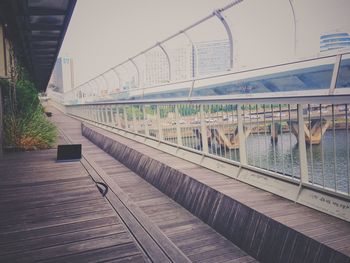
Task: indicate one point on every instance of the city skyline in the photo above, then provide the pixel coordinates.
(156, 20)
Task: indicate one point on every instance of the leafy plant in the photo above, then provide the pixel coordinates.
(25, 125)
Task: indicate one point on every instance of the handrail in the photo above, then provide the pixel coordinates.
(245, 99)
(196, 79)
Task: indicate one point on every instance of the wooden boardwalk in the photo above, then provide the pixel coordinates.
(53, 212)
(293, 229)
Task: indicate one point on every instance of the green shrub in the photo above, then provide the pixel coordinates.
(25, 125)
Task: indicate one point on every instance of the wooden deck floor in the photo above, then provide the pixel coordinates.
(53, 212)
(328, 230)
(195, 239)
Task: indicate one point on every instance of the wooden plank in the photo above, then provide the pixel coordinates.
(39, 243)
(120, 202)
(120, 253)
(66, 227)
(19, 226)
(68, 248)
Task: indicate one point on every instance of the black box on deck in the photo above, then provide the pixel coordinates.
(69, 152)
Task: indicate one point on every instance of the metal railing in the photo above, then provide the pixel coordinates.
(324, 75)
(303, 139)
(292, 126)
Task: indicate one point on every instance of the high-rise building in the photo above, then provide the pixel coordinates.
(334, 41)
(62, 78)
(212, 57)
(203, 58)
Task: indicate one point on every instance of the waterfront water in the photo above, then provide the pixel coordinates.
(327, 162)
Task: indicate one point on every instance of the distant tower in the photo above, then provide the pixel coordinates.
(334, 41)
(62, 78)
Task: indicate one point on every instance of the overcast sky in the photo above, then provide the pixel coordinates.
(104, 33)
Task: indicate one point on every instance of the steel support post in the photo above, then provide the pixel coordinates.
(241, 136)
(204, 132)
(304, 176)
(95, 109)
(118, 118)
(160, 128)
(218, 14)
(295, 26)
(113, 121)
(178, 128)
(133, 118)
(191, 90)
(89, 112)
(167, 57)
(335, 75)
(125, 118)
(145, 120)
(193, 73)
(110, 115)
(99, 114)
(102, 114)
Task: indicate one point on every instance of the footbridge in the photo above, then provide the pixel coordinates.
(268, 171)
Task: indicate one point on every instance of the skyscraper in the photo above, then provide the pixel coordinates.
(62, 78)
(334, 41)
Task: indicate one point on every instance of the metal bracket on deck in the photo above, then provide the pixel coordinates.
(102, 187)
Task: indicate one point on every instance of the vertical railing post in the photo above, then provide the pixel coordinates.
(133, 114)
(98, 117)
(114, 121)
(204, 137)
(100, 114)
(110, 119)
(96, 113)
(178, 128)
(118, 124)
(241, 136)
(145, 120)
(160, 128)
(83, 111)
(91, 112)
(104, 115)
(125, 118)
(304, 177)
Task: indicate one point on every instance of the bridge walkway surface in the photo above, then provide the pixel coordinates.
(53, 212)
(266, 226)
